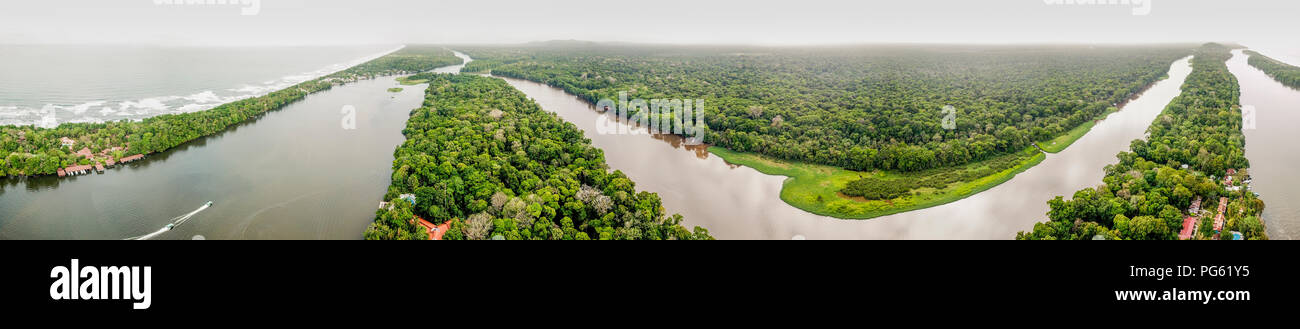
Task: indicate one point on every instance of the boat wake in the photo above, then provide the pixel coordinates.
(173, 223)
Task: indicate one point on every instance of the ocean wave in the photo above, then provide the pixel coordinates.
(152, 106)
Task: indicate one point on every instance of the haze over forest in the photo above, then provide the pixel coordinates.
(332, 22)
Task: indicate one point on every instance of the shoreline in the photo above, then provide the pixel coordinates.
(269, 102)
(1073, 135)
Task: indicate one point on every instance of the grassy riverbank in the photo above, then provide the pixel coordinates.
(815, 188)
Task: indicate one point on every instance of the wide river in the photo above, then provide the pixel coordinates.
(297, 173)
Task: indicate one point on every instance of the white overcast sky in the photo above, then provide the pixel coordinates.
(331, 22)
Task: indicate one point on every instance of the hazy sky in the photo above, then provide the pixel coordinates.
(315, 22)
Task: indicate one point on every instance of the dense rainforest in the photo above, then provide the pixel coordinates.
(489, 163)
(1184, 175)
(28, 150)
(857, 107)
(1282, 72)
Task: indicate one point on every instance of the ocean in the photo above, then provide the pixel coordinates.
(45, 85)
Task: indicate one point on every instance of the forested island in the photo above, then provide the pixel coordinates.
(30, 151)
(1186, 180)
(483, 161)
(861, 128)
(1282, 72)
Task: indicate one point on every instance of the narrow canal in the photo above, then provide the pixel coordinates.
(296, 173)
